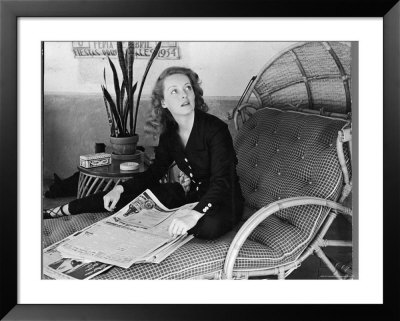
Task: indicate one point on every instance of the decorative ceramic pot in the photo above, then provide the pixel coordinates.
(124, 145)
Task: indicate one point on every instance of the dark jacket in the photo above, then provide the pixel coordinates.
(209, 159)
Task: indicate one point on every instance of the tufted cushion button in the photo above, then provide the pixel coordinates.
(298, 137)
(279, 173)
(275, 131)
(310, 182)
(279, 197)
(277, 150)
(330, 145)
(255, 165)
(255, 189)
(302, 157)
(256, 144)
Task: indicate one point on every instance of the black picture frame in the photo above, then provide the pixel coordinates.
(9, 13)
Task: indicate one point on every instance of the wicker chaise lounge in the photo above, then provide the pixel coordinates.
(294, 152)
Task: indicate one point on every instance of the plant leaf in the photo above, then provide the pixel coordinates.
(104, 76)
(116, 85)
(124, 118)
(129, 109)
(121, 103)
(126, 60)
(113, 109)
(121, 60)
(153, 56)
(131, 58)
(110, 119)
(123, 89)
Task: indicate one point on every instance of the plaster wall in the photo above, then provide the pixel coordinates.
(224, 67)
(74, 116)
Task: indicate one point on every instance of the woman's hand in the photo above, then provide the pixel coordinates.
(184, 180)
(112, 197)
(185, 221)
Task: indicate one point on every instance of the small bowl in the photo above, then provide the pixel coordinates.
(128, 166)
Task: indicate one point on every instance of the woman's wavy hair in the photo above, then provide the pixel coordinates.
(161, 119)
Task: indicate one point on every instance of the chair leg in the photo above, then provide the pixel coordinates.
(281, 274)
(328, 263)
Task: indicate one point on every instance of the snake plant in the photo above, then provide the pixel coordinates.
(123, 107)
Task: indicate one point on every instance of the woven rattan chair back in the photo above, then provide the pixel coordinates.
(312, 77)
(307, 78)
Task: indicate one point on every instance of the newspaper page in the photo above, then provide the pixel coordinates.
(136, 233)
(57, 267)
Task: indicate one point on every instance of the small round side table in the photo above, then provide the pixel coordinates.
(103, 178)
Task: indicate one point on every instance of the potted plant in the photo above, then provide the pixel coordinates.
(124, 138)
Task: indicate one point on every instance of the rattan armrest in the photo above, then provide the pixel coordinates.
(262, 214)
(238, 110)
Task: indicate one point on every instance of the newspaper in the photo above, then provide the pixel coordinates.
(135, 234)
(57, 267)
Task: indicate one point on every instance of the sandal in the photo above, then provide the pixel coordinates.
(54, 212)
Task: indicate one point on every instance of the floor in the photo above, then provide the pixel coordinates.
(312, 268)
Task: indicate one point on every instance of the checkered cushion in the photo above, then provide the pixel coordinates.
(194, 259)
(281, 154)
(287, 154)
(56, 229)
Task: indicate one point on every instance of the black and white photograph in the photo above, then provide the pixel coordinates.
(247, 166)
(211, 160)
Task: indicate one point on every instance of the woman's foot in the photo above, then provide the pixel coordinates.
(56, 212)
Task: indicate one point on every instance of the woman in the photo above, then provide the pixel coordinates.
(202, 148)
